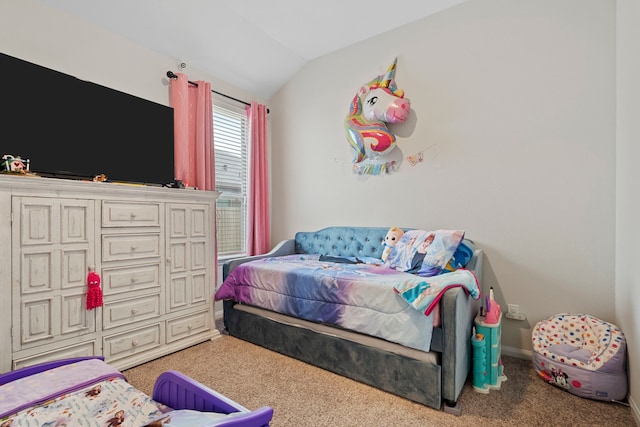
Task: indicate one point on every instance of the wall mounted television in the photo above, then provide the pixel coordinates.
(70, 128)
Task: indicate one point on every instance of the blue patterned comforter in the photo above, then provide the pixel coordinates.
(366, 298)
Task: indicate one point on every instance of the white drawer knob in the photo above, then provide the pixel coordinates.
(134, 343)
(134, 310)
(189, 326)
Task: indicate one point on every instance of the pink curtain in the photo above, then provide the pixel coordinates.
(258, 222)
(193, 138)
(193, 133)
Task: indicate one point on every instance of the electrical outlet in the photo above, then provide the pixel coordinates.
(514, 312)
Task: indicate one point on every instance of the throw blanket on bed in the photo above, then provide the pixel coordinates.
(86, 393)
(424, 296)
(360, 297)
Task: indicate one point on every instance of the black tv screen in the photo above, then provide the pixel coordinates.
(67, 127)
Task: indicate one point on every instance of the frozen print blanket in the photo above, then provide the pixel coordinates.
(86, 393)
(424, 296)
(361, 297)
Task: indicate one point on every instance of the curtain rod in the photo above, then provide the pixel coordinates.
(171, 75)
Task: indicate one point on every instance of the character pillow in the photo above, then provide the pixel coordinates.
(425, 253)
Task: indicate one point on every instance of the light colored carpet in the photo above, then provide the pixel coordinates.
(303, 395)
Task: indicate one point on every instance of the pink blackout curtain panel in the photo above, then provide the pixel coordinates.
(193, 133)
(258, 223)
(194, 163)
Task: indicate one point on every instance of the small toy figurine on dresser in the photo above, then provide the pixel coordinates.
(393, 235)
(14, 164)
(488, 371)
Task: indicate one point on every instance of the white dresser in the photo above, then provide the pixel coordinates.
(154, 249)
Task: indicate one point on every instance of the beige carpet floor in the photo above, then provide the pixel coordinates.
(303, 395)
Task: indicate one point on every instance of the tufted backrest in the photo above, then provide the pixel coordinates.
(342, 241)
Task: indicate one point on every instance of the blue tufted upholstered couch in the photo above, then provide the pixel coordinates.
(427, 382)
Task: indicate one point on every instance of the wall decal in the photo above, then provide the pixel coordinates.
(416, 158)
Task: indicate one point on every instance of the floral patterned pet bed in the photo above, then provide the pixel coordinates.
(581, 354)
(88, 392)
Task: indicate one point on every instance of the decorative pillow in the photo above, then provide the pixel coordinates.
(189, 418)
(439, 252)
(424, 252)
(402, 253)
(461, 256)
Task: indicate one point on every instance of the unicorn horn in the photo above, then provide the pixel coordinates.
(391, 73)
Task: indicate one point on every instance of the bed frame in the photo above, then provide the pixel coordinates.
(175, 390)
(421, 381)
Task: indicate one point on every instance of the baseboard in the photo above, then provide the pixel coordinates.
(635, 411)
(517, 352)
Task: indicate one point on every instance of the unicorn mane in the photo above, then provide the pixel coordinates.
(358, 127)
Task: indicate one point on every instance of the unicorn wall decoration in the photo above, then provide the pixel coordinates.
(375, 104)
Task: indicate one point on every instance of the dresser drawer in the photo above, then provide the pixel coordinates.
(122, 312)
(133, 278)
(183, 327)
(128, 214)
(126, 344)
(120, 247)
(77, 350)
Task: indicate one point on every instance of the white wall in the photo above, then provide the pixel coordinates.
(518, 98)
(627, 177)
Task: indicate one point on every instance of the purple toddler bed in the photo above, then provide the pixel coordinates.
(87, 391)
(582, 354)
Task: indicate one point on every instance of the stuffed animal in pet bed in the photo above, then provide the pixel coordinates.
(393, 235)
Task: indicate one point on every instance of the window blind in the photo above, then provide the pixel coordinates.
(230, 140)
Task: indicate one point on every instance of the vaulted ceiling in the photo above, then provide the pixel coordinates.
(256, 45)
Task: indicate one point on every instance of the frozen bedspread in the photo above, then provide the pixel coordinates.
(366, 298)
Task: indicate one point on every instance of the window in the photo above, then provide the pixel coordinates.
(230, 139)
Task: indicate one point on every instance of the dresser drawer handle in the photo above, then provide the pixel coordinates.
(189, 326)
(133, 280)
(133, 248)
(134, 343)
(134, 311)
(133, 215)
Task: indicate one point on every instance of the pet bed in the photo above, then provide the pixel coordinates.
(581, 354)
(87, 391)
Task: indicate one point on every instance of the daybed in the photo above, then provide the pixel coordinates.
(428, 368)
(87, 391)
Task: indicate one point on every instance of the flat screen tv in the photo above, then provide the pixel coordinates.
(70, 128)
